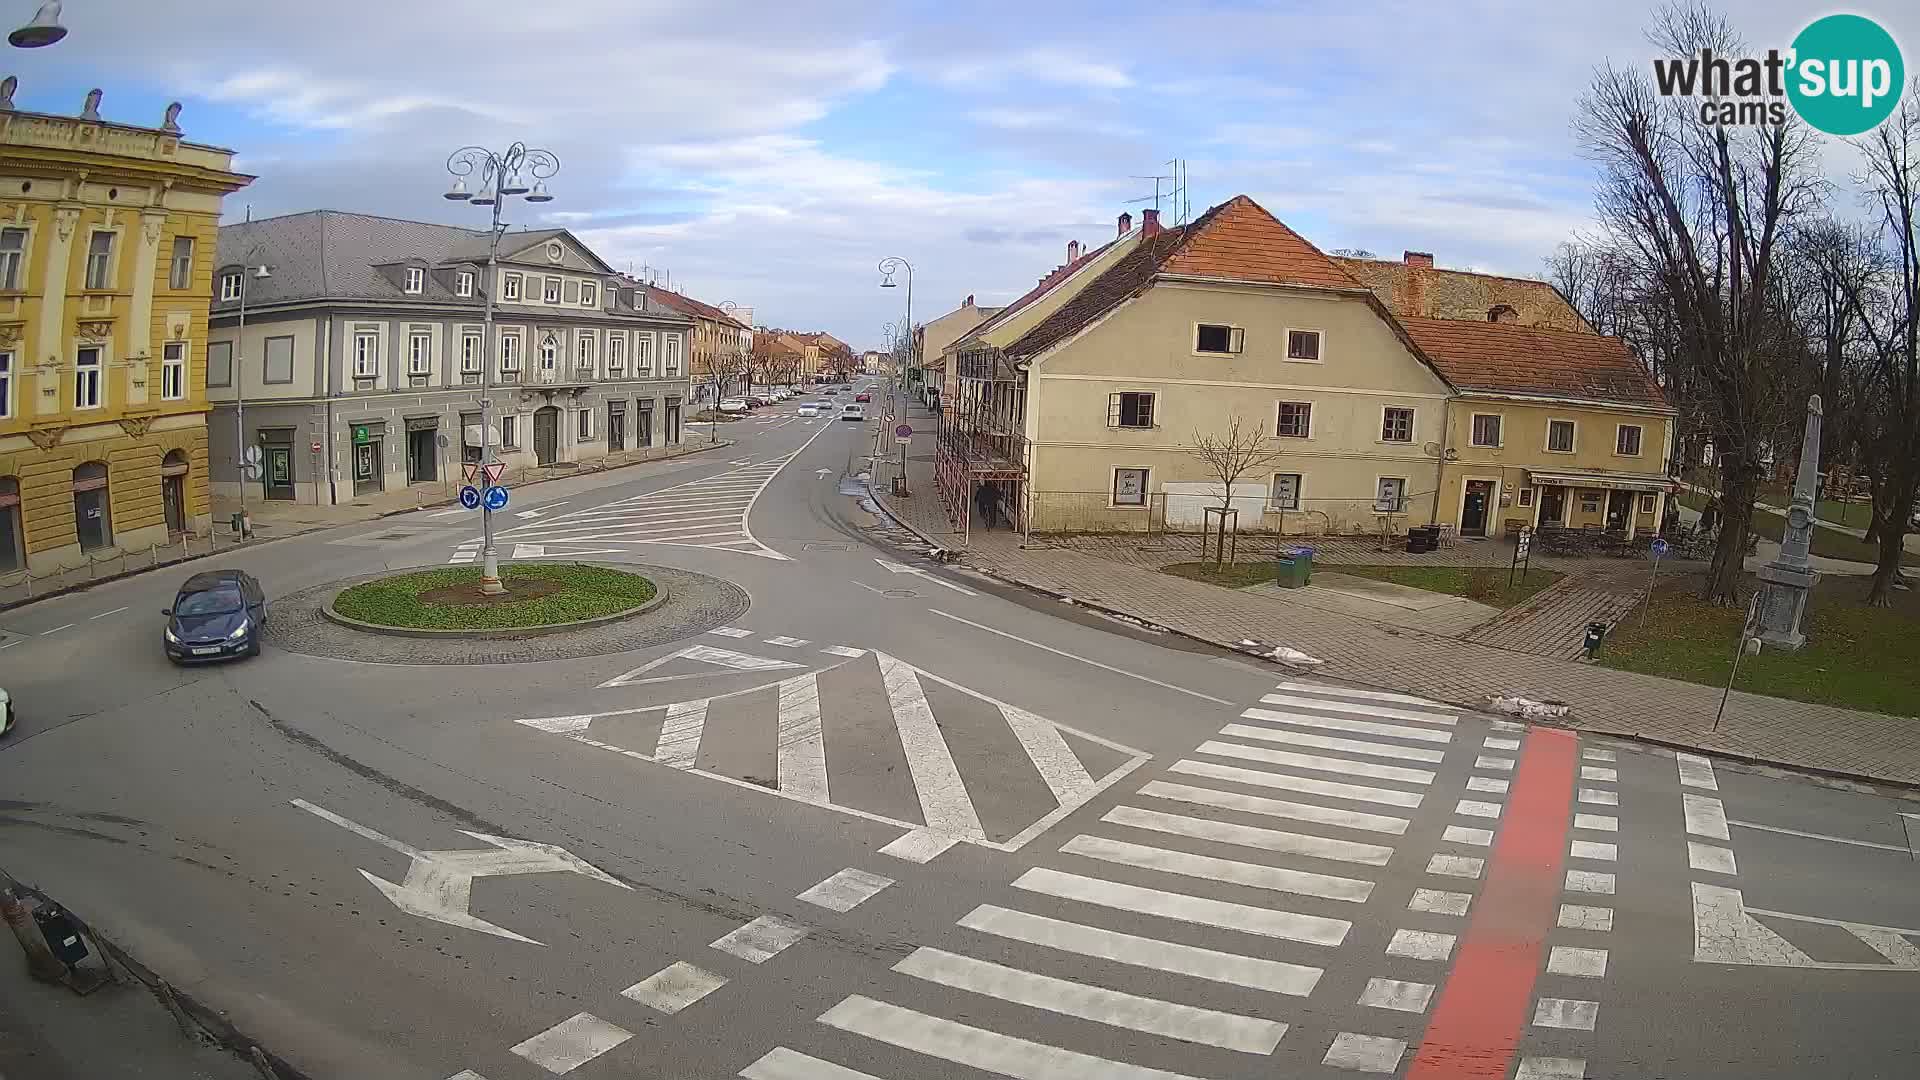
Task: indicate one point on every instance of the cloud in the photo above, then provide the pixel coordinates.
(1058, 66)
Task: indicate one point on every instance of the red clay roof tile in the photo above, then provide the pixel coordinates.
(1508, 359)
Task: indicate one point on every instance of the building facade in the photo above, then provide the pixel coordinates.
(107, 236)
(362, 362)
(721, 343)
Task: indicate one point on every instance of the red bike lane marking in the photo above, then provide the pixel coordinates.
(1482, 1010)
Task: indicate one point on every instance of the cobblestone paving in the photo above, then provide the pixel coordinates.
(1553, 622)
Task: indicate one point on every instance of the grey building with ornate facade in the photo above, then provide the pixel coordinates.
(362, 365)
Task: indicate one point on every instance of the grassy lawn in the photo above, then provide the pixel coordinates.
(1856, 657)
(1828, 543)
(571, 593)
(1486, 584)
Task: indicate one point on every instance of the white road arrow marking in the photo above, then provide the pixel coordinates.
(439, 884)
(822, 472)
(899, 568)
(529, 514)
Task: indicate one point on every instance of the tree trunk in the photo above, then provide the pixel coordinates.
(1892, 548)
(1737, 488)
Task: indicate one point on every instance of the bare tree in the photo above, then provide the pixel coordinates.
(1230, 455)
(1702, 210)
(1838, 272)
(729, 365)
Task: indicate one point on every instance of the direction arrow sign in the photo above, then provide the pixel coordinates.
(439, 884)
(822, 472)
(496, 498)
(495, 470)
(470, 497)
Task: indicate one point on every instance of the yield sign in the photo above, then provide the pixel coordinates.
(495, 470)
(439, 884)
(469, 470)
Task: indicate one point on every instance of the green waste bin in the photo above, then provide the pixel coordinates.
(1295, 568)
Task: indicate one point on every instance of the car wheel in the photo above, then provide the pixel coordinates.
(253, 646)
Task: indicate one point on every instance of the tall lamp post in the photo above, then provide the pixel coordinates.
(260, 271)
(888, 267)
(501, 176)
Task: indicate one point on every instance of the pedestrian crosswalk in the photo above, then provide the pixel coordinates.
(863, 732)
(1204, 916)
(706, 513)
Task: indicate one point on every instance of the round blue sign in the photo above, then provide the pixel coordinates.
(470, 497)
(496, 498)
(1659, 548)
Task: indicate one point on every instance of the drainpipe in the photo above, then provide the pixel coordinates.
(1440, 468)
(333, 496)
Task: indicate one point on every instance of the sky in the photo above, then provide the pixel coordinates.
(771, 154)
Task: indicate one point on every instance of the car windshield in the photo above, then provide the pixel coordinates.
(219, 600)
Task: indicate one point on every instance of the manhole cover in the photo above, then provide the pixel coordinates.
(900, 594)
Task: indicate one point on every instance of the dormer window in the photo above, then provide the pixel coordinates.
(589, 294)
(416, 280)
(463, 283)
(230, 286)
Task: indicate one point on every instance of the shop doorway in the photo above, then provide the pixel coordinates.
(423, 455)
(92, 512)
(1477, 508)
(546, 435)
(173, 491)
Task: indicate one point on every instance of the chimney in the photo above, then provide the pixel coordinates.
(1073, 252)
(969, 302)
(1126, 224)
(1149, 223)
(1422, 259)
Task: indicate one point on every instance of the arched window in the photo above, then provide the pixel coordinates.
(173, 490)
(92, 513)
(13, 541)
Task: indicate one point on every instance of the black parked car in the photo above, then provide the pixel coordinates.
(217, 615)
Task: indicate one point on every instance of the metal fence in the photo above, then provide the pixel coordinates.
(21, 586)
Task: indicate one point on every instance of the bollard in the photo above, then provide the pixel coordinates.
(1596, 633)
(41, 963)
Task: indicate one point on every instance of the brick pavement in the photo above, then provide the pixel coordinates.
(1791, 733)
(1553, 622)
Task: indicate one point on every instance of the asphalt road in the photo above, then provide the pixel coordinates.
(890, 820)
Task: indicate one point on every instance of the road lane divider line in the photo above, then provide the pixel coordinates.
(1085, 660)
(104, 614)
(1901, 848)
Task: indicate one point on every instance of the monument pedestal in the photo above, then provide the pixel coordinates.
(1783, 600)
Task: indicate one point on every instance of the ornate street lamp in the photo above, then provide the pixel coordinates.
(43, 30)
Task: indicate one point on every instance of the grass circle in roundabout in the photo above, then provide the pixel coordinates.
(539, 594)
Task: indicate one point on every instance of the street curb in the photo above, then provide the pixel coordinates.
(82, 586)
(510, 633)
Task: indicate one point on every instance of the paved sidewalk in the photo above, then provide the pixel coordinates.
(1791, 733)
(1553, 622)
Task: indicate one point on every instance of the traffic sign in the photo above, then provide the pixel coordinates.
(496, 498)
(315, 446)
(1659, 547)
(470, 497)
(251, 455)
(251, 471)
(495, 470)
(904, 431)
(469, 471)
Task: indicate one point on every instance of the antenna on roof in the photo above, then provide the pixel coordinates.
(1157, 193)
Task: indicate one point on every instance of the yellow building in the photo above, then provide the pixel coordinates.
(107, 246)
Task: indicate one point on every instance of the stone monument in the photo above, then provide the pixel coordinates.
(1785, 582)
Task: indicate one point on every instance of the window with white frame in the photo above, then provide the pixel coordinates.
(463, 283)
(616, 354)
(6, 385)
(100, 261)
(1294, 420)
(416, 280)
(180, 270)
(1130, 487)
(509, 431)
(420, 352)
(470, 347)
(1390, 494)
(549, 352)
(1286, 492)
(671, 362)
(586, 351)
(220, 363)
(1646, 504)
(86, 377)
(278, 360)
(510, 287)
(1526, 496)
(1486, 430)
(586, 424)
(1626, 441)
(589, 294)
(13, 256)
(550, 290)
(1218, 338)
(1130, 410)
(1560, 436)
(173, 371)
(366, 354)
(1396, 424)
(1303, 344)
(643, 355)
(509, 353)
(229, 287)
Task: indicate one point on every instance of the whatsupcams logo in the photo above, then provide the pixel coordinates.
(1843, 75)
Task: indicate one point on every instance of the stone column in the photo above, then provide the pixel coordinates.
(1786, 581)
(141, 369)
(49, 357)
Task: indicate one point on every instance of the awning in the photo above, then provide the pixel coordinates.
(1606, 480)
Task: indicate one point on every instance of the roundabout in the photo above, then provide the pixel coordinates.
(540, 598)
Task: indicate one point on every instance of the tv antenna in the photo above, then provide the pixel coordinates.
(1169, 191)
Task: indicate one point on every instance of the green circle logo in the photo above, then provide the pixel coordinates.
(1847, 75)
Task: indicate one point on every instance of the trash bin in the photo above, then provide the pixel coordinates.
(1596, 633)
(1295, 568)
(1422, 539)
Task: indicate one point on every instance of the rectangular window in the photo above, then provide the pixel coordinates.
(86, 374)
(587, 352)
(100, 261)
(229, 287)
(180, 271)
(510, 287)
(1526, 496)
(586, 424)
(1214, 338)
(1396, 424)
(1286, 492)
(1486, 430)
(366, 355)
(13, 253)
(279, 367)
(509, 353)
(1129, 487)
(550, 291)
(671, 363)
(509, 433)
(616, 354)
(1646, 504)
(173, 371)
(6, 385)
(1295, 420)
(1560, 436)
(1390, 495)
(643, 355)
(1626, 441)
(589, 294)
(1303, 344)
(416, 279)
(220, 363)
(463, 284)
(419, 353)
(1130, 410)
(470, 354)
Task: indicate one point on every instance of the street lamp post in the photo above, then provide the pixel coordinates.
(888, 267)
(240, 462)
(501, 176)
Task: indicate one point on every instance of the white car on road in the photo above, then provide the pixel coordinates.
(733, 404)
(6, 712)
(809, 408)
(853, 412)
